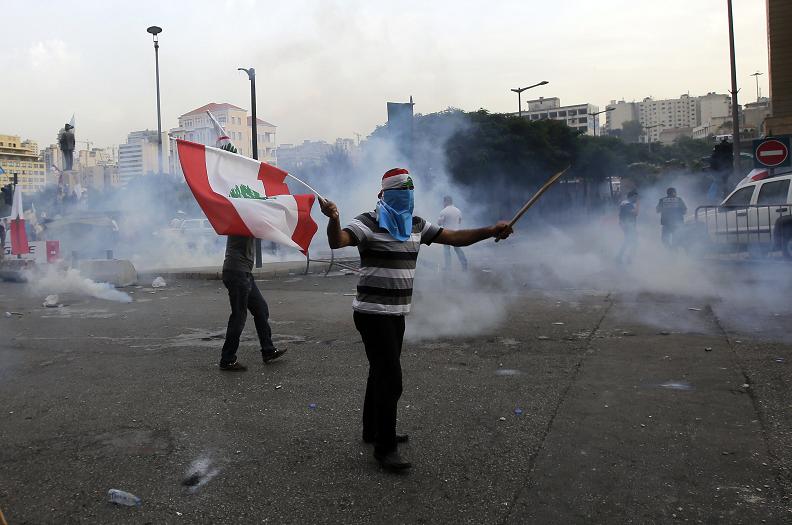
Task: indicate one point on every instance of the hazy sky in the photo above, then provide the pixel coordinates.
(326, 68)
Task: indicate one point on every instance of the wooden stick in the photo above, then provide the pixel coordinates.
(2, 519)
(535, 197)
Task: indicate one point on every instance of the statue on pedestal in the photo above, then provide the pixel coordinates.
(66, 144)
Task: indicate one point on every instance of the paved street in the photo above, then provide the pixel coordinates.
(536, 404)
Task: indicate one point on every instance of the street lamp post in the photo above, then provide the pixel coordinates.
(735, 107)
(519, 94)
(648, 136)
(756, 76)
(251, 73)
(594, 115)
(154, 30)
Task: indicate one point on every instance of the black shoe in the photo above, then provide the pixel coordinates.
(392, 461)
(236, 366)
(274, 354)
(400, 438)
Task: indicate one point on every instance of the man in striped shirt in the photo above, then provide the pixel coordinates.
(388, 240)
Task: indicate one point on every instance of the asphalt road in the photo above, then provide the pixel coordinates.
(524, 404)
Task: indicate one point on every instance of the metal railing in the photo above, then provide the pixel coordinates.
(744, 225)
(350, 264)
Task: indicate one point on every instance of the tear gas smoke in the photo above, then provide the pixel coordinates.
(559, 244)
(70, 281)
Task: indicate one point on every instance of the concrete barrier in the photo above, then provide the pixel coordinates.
(119, 272)
(15, 269)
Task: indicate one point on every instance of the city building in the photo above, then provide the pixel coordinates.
(139, 156)
(197, 127)
(22, 158)
(714, 108)
(779, 45)
(96, 157)
(52, 157)
(754, 116)
(667, 119)
(292, 157)
(576, 116)
(99, 177)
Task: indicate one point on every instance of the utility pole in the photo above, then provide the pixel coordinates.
(251, 73)
(735, 107)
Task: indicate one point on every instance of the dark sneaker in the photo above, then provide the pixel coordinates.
(400, 438)
(392, 461)
(269, 356)
(236, 366)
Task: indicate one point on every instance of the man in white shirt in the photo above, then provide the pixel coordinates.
(451, 218)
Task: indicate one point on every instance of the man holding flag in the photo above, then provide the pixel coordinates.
(388, 240)
(245, 199)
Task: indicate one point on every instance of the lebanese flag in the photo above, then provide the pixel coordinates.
(242, 196)
(19, 241)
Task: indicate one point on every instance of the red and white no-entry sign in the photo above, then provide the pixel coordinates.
(772, 152)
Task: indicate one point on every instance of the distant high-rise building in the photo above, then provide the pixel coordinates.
(196, 126)
(663, 120)
(576, 116)
(139, 156)
(22, 158)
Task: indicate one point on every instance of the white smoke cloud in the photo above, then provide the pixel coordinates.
(54, 281)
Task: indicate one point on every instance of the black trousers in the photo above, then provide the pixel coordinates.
(382, 336)
(244, 295)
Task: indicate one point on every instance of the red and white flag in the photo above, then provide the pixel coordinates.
(242, 196)
(19, 241)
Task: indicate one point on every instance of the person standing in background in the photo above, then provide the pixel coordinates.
(2, 238)
(628, 218)
(451, 217)
(672, 211)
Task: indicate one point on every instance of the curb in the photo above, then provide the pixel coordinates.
(214, 273)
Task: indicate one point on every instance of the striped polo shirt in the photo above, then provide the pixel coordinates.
(387, 265)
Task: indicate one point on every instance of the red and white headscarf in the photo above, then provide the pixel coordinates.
(397, 179)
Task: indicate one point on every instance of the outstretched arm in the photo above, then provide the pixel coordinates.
(501, 230)
(336, 237)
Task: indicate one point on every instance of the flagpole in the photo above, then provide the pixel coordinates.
(307, 186)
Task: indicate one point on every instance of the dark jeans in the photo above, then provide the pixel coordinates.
(244, 295)
(382, 336)
(630, 243)
(668, 235)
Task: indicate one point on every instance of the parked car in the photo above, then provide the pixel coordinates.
(195, 232)
(756, 217)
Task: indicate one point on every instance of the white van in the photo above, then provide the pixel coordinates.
(756, 216)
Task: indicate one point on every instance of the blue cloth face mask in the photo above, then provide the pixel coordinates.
(395, 211)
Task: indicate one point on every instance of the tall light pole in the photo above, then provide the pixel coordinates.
(154, 30)
(594, 115)
(756, 76)
(519, 94)
(251, 73)
(735, 107)
(648, 136)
